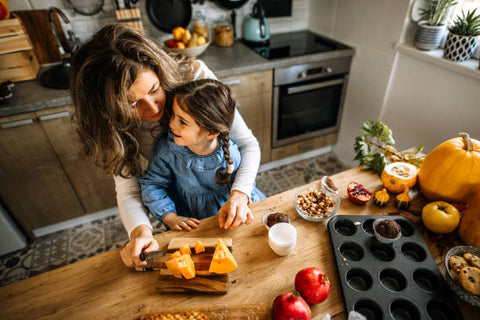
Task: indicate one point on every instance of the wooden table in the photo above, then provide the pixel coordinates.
(101, 287)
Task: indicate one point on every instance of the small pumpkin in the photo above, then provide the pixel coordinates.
(451, 171)
(469, 228)
(402, 200)
(381, 198)
(223, 260)
(398, 175)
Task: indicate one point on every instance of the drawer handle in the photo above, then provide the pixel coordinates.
(232, 82)
(17, 123)
(305, 145)
(57, 115)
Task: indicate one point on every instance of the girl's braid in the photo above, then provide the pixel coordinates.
(224, 175)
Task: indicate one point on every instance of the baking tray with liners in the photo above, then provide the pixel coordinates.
(388, 281)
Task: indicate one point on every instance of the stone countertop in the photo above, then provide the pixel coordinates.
(238, 59)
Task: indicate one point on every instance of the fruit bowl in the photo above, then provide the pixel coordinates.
(454, 285)
(190, 52)
(307, 201)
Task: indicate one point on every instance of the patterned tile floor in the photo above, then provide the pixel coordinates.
(68, 246)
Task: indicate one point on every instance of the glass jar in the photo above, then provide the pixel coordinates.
(223, 33)
(199, 25)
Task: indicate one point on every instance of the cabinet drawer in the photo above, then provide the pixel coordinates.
(247, 84)
(303, 146)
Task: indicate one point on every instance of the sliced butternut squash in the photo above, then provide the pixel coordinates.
(173, 267)
(181, 266)
(185, 249)
(199, 247)
(223, 260)
(176, 254)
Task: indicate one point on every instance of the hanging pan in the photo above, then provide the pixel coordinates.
(230, 4)
(168, 14)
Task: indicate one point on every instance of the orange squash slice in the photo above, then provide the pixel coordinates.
(182, 266)
(399, 175)
(199, 247)
(176, 254)
(223, 260)
(185, 249)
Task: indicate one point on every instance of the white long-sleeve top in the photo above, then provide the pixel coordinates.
(132, 211)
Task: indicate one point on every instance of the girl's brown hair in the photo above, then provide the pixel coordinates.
(210, 103)
(102, 72)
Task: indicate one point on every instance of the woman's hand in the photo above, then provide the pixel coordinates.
(141, 239)
(235, 211)
(180, 223)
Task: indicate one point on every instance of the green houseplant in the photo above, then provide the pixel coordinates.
(431, 27)
(461, 40)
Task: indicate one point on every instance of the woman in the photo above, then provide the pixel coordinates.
(121, 84)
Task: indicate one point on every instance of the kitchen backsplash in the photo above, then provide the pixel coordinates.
(85, 26)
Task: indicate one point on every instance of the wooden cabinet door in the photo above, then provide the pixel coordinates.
(253, 94)
(33, 185)
(95, 189)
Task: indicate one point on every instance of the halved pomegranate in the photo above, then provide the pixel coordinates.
(358, 193)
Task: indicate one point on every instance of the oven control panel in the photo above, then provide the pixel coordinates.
(310, 71)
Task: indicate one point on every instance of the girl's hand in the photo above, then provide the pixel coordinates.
(141, 239)
(180, 223)
(235, 211)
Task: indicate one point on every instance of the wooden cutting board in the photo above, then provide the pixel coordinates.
(258, 311)
(40, 33)
(204, 281)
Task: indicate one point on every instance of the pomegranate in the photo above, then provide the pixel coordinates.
(290, 306)
(312, 284)
(358, 193)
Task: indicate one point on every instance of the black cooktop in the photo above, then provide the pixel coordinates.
(292, 44)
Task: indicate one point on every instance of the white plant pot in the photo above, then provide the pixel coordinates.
(428, 37)
(459, 48)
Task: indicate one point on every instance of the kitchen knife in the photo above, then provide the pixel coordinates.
(149, 257)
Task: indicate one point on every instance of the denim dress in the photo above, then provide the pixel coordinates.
(177, 180)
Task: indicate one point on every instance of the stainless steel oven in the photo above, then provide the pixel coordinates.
(308, 99)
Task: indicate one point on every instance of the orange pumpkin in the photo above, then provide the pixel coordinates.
(185, 249)
(397, 176)
(451, 171)
(223, 260)
(469, 228)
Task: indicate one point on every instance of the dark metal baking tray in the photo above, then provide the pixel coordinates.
(388, 281)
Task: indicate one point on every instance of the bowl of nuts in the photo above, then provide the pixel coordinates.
(318, 202)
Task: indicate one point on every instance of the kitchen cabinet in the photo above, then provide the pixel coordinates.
(253, 95)
(43, 178)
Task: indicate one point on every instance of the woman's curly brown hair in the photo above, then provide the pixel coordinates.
(102, 72)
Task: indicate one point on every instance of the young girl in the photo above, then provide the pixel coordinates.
(191, 173)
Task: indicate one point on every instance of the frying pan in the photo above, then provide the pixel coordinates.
(168, 14)
(230, 4)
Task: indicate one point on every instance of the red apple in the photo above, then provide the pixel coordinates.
(290, 306)
(312, 284)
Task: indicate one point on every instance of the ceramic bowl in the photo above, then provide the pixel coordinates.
(325, 190)
(191, 52)
(456, 287)
(265, 219)
(381, 238)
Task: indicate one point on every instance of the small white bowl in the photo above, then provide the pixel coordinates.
(381, 238)
(265, 219)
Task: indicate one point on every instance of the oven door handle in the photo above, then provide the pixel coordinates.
(314, 86)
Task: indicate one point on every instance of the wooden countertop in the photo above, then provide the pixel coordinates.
(101, 287)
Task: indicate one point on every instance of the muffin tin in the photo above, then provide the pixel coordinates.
(399, 280)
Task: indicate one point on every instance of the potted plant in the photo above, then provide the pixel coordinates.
(431, 27)
(461, 40)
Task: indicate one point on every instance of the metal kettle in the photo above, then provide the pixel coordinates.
(255, 26)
